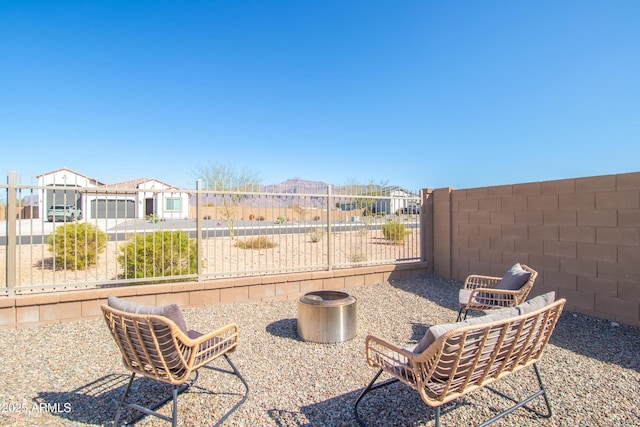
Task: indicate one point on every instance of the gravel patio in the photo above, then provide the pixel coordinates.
(71, 373)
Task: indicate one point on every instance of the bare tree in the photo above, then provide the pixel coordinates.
(230, 185)
(367, 198)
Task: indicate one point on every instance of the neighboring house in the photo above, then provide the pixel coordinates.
(392, 199)
(65, 187)
(136, 198)
(398, 198)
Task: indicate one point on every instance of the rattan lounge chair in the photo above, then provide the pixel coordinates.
(456, 359)
(482, 293)
(158, 346)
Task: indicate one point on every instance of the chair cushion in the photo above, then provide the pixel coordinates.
(535, 303)
(463, 296)
(481, 297)
(436, 331)
(514, 278)
(170, 311)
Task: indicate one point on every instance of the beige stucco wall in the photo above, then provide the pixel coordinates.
(582, 235)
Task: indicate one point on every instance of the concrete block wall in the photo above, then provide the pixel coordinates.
(582, 235)
(33, 310)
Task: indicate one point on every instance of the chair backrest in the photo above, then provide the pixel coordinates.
(469, 357)
(148, 345)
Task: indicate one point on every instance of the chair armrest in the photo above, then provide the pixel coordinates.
(477, 281)
(397, 361)
(210, 346)
(380, 347)
(491, 298)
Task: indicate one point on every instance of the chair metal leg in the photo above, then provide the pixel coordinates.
(522, 403)
(460, 316)
(544, 394)
(176, 390)
(244, 382)
(122, 401)
(370, 387)
(174, 418)
(518, 403)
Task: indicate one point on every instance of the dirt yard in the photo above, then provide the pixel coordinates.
(221, 256)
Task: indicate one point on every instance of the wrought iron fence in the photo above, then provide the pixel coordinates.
(72, 236)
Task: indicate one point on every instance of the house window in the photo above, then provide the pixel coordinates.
(172, 204)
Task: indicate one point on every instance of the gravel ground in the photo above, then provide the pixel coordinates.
(71, 373)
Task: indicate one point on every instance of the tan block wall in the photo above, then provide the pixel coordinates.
(582, 235)
(34, 310)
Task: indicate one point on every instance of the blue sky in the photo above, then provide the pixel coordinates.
(413, 93)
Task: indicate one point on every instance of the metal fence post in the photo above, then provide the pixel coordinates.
(329, 237)
(11, 231)
(199, 227)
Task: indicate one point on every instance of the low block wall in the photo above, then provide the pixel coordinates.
(33, 310)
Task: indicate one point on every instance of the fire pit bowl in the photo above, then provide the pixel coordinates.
(327, 317)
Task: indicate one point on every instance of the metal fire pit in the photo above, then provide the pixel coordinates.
(327, 316)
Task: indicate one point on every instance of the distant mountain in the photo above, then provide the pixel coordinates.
(296, 186)
(277, 194)
(283, 195)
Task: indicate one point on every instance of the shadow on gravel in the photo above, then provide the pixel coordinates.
(443, 292)
(396, 404)
(96, 402)
(598, 339)
(284, 328)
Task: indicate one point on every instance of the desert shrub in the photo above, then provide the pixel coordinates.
(252, 217)
(358, 256)
(162, 253)
(76, 245)
(208, 217)
(260, 218)
(260, 242)
(395, 232)
(316, 218)
(316, 235)
(281, 219)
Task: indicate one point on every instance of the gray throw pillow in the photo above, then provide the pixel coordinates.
(170, 311)
(514, 278)
(535, 303)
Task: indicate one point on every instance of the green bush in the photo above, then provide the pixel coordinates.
(162, 253)
(395, 232)
(316, 235)
(76, 245)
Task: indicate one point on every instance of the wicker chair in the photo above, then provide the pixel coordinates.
(154, 346)
(463, 357)
(483, 293)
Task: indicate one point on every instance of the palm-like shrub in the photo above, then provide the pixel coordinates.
(158, 254)
(76, 245)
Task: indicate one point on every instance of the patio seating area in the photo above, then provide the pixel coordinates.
(72, 373)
